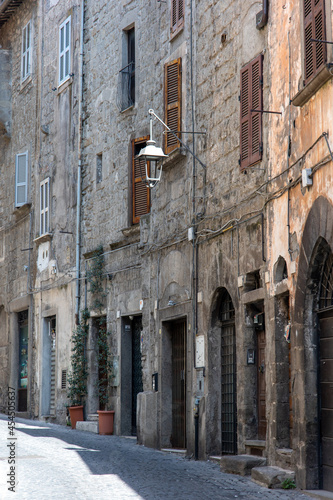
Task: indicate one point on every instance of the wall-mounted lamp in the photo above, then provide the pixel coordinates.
(152, 153)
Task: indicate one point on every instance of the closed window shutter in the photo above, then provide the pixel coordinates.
(314, 27)
(172, 98)
(251, 122)
(177, 15)
(21, 180)
(140, 193)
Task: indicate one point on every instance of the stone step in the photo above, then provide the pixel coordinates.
(87, 426)
(271, 477)
(241, 464)
(320, 494)
(92, 417)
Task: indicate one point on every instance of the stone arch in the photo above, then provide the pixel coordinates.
(316, 243)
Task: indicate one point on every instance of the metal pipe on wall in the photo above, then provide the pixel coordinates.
(78, 201)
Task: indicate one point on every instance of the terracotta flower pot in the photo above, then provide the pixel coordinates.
(105, 421)
(76, 414)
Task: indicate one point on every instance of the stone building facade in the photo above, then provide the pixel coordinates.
(217, 280)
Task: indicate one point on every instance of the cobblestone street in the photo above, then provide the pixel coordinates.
(52, 462)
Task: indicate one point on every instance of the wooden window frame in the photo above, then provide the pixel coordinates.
(172, 102)
(65, 50)
(26, 52)
(18, 182)
(251, 146)
(44, 217)
(139, 180)
(177, 12)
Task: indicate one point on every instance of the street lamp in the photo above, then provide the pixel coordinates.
(155, 154)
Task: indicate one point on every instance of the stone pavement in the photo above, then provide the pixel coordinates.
(56, 462)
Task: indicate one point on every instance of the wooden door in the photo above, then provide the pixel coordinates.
(326, 402)
(261, 339)
(178, 438)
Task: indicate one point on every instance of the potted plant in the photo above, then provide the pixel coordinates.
(105, 371)
(77, 379)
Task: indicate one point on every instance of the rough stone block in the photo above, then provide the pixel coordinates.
(87, 426)
(271, 477)
(241, 464)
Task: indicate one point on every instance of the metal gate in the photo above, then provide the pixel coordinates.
(325, 383)
(23, 361)
(228, 377)
(178, 438)
(137, 385)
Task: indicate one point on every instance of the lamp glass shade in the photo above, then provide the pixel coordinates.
(151, 152)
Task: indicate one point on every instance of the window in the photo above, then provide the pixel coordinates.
(21, 179)
(177, 15)
(127, 73)
(99, 168)
(64, 50)
(314, 27)
(26, 51)
(251, 98)
(44, 206)
(140, 192)
(172, 102)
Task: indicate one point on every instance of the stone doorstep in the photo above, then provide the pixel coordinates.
(87, 426)
(175, 450)
(321, 494)
(241, 464)
(271, 476)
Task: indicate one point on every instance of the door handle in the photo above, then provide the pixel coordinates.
(262, 368)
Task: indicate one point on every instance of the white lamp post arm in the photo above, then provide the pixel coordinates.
(152, 113)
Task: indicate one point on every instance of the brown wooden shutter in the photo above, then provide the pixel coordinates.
(314, 27)
(251, 122)
(140, 192)
(172, 99)
(177, 15)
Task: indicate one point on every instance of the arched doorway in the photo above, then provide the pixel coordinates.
(228, 376)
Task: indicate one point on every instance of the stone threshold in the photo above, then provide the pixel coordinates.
(321, 494)
(175, 450)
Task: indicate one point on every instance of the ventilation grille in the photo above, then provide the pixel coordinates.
(63, 379)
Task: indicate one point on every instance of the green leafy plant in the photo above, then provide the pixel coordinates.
(288, 484)
(77, 379)
(95, 276)
(105, 368)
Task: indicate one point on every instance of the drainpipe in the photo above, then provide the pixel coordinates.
(78, 201)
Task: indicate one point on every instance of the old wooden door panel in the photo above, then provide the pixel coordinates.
(261, 386)
(326, 400)
(178, 439)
